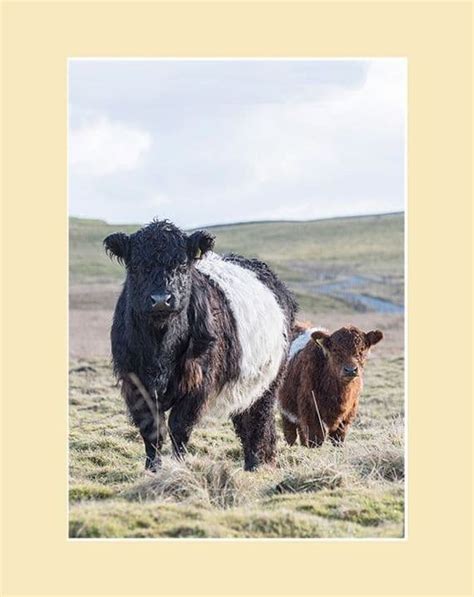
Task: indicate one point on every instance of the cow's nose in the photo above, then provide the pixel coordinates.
(162, 302)
(350, 370)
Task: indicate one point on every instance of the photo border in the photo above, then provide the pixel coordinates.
(405, 310)
(38, 38)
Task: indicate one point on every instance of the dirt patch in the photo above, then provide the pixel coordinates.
(92, 297)
(89, 333)
(92, 305)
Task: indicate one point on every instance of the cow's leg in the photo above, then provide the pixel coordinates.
(143, 413)
(256, 430)
(182, 419)
(161, 435)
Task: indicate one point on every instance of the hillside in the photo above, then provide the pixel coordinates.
(324, 261)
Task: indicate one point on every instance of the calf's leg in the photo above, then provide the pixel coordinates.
(303, 433)
(256, 430)
(338, 435)
(310, 431)
(289, 430)
(316, 437)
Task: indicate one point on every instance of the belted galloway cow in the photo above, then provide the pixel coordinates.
(194, 331)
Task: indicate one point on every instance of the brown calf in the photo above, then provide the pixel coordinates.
(324, 380)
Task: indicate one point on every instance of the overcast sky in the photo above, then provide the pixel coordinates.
(205, 142)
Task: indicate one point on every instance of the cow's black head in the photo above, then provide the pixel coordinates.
(159, 258)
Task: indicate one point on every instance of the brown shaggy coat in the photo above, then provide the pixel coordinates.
(323, 383)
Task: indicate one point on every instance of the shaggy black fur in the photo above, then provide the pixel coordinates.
(183, 356)
(256, 429)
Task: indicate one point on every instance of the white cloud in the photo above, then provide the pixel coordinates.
(103, 147)
(321, 140)
(160, 200)
(254, 140)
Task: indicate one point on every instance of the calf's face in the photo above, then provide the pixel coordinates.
(346, 350)
(159, 259)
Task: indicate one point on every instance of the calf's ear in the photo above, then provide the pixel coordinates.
(199, 243)
(373, 337)
(118, 245)
(321, 339)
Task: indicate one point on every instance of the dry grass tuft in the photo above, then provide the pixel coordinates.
(314, 470)
(381, 458)
(197, 481)
(381, 462)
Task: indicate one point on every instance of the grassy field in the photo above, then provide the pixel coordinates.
(354, 491)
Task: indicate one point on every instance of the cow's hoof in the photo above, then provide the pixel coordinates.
(251, 464)
(151, 466)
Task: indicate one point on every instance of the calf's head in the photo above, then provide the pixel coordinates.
(346, 350)
(159, 259)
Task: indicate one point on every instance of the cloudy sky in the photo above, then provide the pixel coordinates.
(205, 142)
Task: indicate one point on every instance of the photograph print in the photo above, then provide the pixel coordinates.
(237, 298)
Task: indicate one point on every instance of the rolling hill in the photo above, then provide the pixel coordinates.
(326, 262)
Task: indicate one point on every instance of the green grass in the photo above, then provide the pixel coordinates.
(375, 242)
(354, 491)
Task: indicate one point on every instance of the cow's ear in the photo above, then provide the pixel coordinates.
(118, 245)
(321, 339)
(199, 243)
(373, 337)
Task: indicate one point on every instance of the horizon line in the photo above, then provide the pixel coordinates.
(250, 222)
